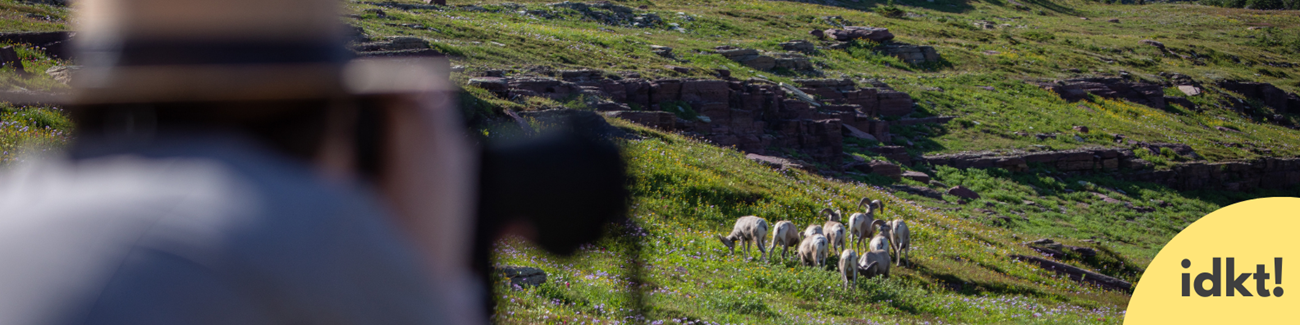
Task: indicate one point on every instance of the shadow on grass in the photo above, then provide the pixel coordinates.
(961, 281)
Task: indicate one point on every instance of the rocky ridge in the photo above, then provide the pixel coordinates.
(755, 116)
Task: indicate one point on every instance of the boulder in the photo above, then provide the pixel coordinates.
(663, 51)
(874, 34)
(911, 54)
(748, 57)
(799, 46)
(917, 176)
(498, 86)
(885, 168)
(963, 192)
(774, 162)
(61, 73)
(1189, 90)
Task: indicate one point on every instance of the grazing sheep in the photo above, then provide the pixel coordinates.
(900, 238)
(812, 251)
(785, 235)
(748, 229)
(878, 206)
(833, 229)
(811, 230)
(860, 223)
(873, 263)
(849, 268)
(878, 243)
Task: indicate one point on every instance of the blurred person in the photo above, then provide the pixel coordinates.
(215, 178)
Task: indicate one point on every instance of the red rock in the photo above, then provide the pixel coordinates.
(873, 34)
(885, 168)
(963, 192)
(917, 176)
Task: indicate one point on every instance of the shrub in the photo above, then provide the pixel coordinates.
(890, 11)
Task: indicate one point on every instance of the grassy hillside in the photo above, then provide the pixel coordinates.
(687, 191)
(1014, 43)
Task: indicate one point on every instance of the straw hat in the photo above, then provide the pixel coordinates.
(135, 51)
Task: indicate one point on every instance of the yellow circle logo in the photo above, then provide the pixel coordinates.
(1226, 268)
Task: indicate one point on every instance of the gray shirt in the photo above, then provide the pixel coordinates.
(201, 229)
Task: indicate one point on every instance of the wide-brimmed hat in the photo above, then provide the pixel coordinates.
(136, 51)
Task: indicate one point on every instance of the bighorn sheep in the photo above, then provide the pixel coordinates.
(860, 223)
(873, 263)
(879, 242)
(878, 206)
(811, 230)
(812, 251)
(748, 229)
(900, 238)
(849, 268)
(833, 229)
(785, 235)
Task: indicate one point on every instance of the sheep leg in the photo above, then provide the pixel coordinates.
(761, 248)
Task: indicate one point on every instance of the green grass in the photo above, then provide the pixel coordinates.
(27, 130)
(1041, 41)
(686, 192)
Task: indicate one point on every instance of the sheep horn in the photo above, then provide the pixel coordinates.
(866, 270)
(864, 202)
(826, 212)
(880, 223)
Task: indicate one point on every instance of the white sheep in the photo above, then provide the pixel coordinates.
(812, 251)
(900, 238)
(849, 268)
(748, 229)
(878, 206)
(860, 223)
(811, 230)
(873, 263)
(879, 242)
(833, 229)
(785, 235)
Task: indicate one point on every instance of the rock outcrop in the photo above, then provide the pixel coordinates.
(54, 44)
(1076, 273)
(1145, 93)
(1267, 93)
(1123, 164)
(752, 116)
(912, 54)
(874, 34)
(749, 57)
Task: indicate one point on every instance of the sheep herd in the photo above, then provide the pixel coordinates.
(887, 239)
